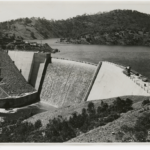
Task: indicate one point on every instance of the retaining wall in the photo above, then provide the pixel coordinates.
(38, 62)
(23, 60)
(93, 80)
(14, 102)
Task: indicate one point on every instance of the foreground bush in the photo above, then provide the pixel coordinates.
(61, 130)
(145, 102)
(137, 133)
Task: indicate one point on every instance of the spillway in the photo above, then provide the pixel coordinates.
(66, 82)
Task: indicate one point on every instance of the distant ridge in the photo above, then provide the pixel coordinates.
(117, 27)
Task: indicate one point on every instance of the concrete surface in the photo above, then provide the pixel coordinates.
(66, 82)
(23, 61)
(111, 82)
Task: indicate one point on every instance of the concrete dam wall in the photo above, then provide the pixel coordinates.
(19, 101)
(23, 60)
(111, 82)
(61, 82)
(38, 63)
(66, 82)
(31, 65)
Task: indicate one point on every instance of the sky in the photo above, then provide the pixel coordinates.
(64, 9)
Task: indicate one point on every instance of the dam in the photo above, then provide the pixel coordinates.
(112, 82)
(60, 82)
(66, 82)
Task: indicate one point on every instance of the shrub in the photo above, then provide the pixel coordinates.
(139, 132)
(61, 130)
(99, 110)
(38, 124)
(145, 102)
(32, 35)
(90, 107)
(104, 106)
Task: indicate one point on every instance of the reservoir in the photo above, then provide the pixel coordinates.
(138, 57)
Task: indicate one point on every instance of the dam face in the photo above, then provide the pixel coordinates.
(66, 82)
(111, 82)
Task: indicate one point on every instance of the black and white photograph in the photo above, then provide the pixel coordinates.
(74, 72)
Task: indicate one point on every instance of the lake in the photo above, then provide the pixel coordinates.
(138, 57)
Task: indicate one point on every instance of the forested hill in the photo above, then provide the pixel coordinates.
(123, 27)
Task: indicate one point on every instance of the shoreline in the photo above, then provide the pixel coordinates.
(69, 43)
(102, 44)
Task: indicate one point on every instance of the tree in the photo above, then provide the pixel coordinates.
(99, 110)
(32, 35)
(1, 34)
(145, 102)
(104, 106)
(91, 108)
(38, 124)
(27, 21)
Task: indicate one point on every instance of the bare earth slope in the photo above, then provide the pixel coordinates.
(66, 82)
(20, 29)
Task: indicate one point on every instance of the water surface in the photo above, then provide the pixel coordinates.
(138, 57)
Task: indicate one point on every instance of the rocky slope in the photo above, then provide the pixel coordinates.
(110, 132)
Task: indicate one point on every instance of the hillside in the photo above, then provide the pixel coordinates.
(122, 129)
(66, 111)
(112, 120)
(118, 27)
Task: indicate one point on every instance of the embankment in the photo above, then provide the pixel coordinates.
(13, 102)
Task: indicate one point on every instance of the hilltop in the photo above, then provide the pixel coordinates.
(117, 27)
